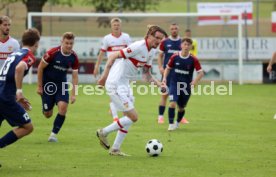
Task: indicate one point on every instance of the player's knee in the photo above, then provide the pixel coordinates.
(30, 129)
(181, 109)
(48, 114)
(62, 111)
(172, 104)
(133, 117)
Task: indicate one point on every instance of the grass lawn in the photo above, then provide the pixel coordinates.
(227, 136)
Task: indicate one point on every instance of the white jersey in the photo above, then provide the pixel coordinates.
(7, 47)
(112, 43)
(135, 55)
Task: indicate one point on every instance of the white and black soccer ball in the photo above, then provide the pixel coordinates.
(154, 147)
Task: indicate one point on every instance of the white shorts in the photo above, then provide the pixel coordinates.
(121, 96)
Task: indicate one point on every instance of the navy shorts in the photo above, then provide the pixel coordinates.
(50, 99)
(179, 95)
(13, 113)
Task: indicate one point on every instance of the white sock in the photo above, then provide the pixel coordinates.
(113, 110)
(121, 134)
(121, 123)
(53, 134)
(160, 117)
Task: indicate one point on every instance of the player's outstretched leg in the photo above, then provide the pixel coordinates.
(121, 134)
(59, 120)
(161, 109)
(13, 135)
(171, 114)
(102, 138)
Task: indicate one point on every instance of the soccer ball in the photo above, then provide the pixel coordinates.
(154, 147)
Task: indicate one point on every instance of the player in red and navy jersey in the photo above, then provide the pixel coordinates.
(113, 42)
(12, 102)
(52, 81)
(183, 65)
(167, 48)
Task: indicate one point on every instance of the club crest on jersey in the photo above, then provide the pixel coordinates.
(10, 48)
(129, 50)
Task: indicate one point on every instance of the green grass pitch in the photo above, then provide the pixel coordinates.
(229, 136)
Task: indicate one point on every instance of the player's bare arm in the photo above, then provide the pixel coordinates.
(108, 65)
(42, 65)
(271, 62)
(200, 74)
(19, 74)
(149, 78)
(165, 75)
(98, 63)
(160, 62)
(75, 80)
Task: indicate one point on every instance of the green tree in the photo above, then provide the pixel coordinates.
(35, 6)
(119, 6)
(100, 6)
(122, 5)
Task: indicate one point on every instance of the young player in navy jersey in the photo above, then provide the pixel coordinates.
(52, 81)
(167, 48)
(13, 104)
(183, 65)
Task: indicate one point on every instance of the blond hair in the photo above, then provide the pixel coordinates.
(115, 20)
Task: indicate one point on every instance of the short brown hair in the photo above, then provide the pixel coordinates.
(30, 37)
(189, 40)
(4, 18)
(68, 35)
(188, 31)
(152, 29)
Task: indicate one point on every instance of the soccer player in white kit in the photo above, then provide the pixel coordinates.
(115, 41)
(116, 80)
(7, 43)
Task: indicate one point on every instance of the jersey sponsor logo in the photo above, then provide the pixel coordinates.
(177, 63)
(179, 71)
(116, 48)
(169, 45)
(172, 51)
(59, 68)
(57, 61)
